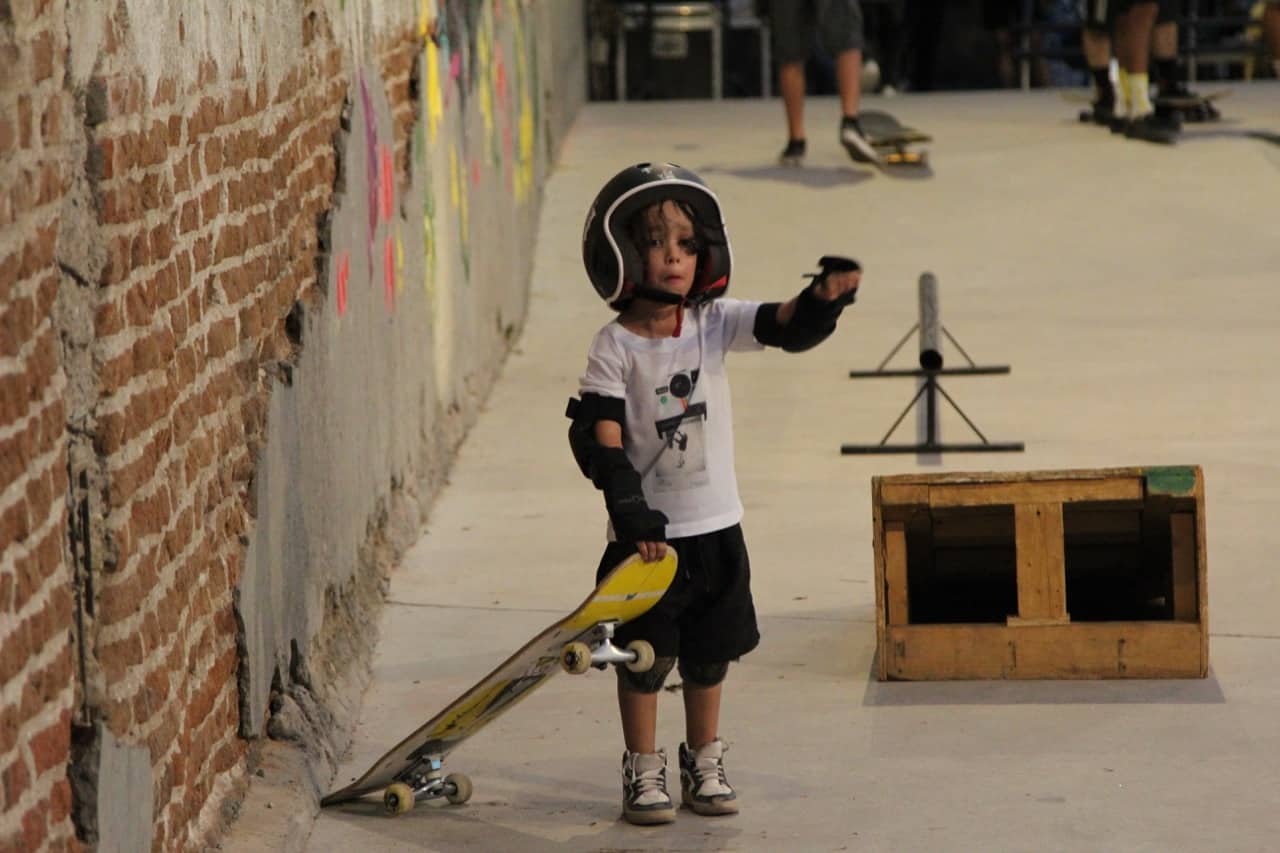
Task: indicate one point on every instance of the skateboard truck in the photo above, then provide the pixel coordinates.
(576, 658)
(426, 781)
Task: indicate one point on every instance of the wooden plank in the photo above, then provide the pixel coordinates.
(895, 573)
(1042, 565)
(1182, 531)
(877, 551)
(903, 495)
(1057, 491)
(979, 477)
(1078, 650)
(1202, 569)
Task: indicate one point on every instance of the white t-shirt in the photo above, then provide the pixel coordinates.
(679, 429)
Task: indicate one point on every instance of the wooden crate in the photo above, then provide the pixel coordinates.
(1041, 574)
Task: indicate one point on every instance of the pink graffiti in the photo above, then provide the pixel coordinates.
(344, 273)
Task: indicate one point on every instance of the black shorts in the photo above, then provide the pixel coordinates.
(836, 23)
(707, 615)
(1100, 15)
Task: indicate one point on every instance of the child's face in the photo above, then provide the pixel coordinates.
(669, 248)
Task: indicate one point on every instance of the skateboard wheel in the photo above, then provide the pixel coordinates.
(457, 787)
(644, 656)
(576, 658)
(397, 799)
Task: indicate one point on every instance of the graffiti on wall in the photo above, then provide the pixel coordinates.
(474, 53)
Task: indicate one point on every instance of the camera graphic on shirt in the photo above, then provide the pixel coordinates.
(675, 408)
(681, 384)
(680, 425)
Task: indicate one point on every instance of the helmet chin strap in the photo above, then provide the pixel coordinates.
(653, 294)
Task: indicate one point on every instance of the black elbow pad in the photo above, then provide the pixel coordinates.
(813, 321)
(591, 456)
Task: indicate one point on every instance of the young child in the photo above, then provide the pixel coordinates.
(653, 431)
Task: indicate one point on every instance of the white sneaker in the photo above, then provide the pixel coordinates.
(644, 789)
(703, 785)
(855, 142)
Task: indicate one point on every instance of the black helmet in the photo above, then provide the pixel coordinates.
(612, 260)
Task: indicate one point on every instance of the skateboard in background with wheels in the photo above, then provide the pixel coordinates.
(1192, 106)
(414, 769)
(893, 140)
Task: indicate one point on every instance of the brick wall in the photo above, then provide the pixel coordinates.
(209, 195)
(169, 190)
(36, 605)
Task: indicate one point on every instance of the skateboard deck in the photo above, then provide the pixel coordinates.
(893, 140)
(412, 770)
(1190, 101)
(1195, 107)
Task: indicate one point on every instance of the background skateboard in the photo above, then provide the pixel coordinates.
(413, 768)
(892, 139)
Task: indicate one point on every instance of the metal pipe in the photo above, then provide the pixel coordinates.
(930, 323)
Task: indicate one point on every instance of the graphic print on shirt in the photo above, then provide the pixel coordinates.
(681, 426)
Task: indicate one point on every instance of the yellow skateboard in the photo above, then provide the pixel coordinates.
(413, 770)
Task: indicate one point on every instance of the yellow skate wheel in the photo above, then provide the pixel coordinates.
(644, 656)
(461, 788)
(576, 658)
(397, 799)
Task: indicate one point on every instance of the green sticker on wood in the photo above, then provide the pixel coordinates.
(1173, 480)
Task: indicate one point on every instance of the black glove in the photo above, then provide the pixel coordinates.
(633, 520)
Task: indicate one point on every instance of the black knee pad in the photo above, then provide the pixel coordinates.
(646, 682)
(703, 674)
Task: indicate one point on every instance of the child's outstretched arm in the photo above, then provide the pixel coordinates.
(807, 319)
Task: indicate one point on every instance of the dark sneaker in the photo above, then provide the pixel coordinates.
(793, 154)
(855, 142)
(1100, 112)
(703, 785)
(644, 789)
(1153, 128)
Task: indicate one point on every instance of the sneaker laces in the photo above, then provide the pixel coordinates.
(644, 777)
(707, 769)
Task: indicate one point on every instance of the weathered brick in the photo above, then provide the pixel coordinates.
(51, 747)
(17, 780)
(35, 827)
(221, 338)
(33, 572)
(17, 324)
(15, 526)
(60, 803)
(24, 121)
(161, 241)
(166, 92)
(116, 658)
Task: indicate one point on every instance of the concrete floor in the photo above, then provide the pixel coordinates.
(1134, 291)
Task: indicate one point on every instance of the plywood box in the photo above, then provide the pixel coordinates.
(1041, 574)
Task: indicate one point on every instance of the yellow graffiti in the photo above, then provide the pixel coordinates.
(435, 102)
(524, 157)
(484, 57)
